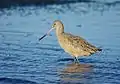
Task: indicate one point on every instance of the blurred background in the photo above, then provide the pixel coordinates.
(25, 60)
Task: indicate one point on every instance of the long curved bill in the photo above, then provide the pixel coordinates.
(45, 34)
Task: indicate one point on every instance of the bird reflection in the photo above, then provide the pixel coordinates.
(76, 73)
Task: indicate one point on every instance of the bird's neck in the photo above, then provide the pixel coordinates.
(59, 31)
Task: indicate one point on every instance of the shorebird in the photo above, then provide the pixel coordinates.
(74, 45)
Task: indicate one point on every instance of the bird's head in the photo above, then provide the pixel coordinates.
(57, 25)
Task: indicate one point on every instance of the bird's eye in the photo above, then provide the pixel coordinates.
(54, 24)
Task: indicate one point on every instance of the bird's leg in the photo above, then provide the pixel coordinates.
(77, 60)
(74, 59)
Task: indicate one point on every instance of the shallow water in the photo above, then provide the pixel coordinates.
(23, 59)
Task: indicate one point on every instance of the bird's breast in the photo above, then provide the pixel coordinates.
(70, 48)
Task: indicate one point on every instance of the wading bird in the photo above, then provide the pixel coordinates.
(74, 45)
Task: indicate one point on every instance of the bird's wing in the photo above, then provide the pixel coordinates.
(80, 43)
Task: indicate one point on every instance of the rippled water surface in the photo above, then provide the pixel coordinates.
(25, 60)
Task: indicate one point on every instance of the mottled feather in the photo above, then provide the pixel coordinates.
(76, 45)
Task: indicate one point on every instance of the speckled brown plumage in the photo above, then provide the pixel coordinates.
(74, 45)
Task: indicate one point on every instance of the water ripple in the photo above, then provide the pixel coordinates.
(15, 81)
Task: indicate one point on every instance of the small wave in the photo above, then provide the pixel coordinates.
(7, 3)
(15, 81)
(83, 60)
(25, 34)
(48, 48)
(66, 59)
(112, 3)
